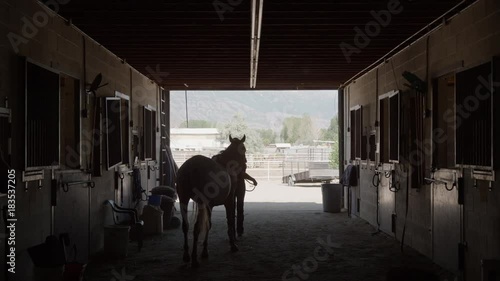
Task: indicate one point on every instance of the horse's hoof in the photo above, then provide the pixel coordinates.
(195, 264)
(186, 258)
(234, 248)
(204, 254)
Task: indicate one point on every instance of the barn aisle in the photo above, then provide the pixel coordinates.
(282, 241)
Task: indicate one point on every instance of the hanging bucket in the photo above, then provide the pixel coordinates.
(154, 200)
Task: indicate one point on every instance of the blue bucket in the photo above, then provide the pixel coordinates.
(154, 200)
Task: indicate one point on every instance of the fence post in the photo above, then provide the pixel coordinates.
(283, 170)
(268, 175)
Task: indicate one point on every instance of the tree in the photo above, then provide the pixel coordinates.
(268, 136)
(290, 132)
(298, 130)
(332, 132)
(197, 124)
(238, 127)
(334, 155)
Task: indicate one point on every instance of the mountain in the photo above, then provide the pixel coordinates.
(261, 109)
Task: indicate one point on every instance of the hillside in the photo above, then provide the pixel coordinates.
(261, 109)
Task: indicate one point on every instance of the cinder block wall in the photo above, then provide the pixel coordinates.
(472, 37)
(80, 211)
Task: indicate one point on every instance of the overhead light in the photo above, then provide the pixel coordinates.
(252, 41)
(257, 9)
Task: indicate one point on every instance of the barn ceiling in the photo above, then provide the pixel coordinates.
(206, 44)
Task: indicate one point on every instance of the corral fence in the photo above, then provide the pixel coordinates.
(269, 166)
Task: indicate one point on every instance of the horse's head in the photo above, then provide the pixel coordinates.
(231, 139)
(237, 150)
(238, 144)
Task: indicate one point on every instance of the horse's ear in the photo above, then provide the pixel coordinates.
(244, 138)
(230, 138)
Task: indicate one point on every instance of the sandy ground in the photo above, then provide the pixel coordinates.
(287, 237)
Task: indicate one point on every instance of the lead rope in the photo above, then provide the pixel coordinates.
(251, 184)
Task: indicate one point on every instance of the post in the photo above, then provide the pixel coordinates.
(341, 131)
(268, 170)
(283, 169)
(187, 116)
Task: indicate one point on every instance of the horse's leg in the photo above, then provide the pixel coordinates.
(230, 223)
(240, 199)
(204, 254)
(185, 227)
(201, 221)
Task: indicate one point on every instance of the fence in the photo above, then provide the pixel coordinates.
(272, 166)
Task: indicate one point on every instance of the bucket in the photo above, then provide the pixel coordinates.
(332, 197)
(154, 200)
(74, 271)
(153, 220)
(116, 240)
(164, 190)
(167, 205)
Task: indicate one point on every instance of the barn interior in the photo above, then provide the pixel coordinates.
(416, 80)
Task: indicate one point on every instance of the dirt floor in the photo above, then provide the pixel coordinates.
(292, 240)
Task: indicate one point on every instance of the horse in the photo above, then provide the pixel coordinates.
(209, 183)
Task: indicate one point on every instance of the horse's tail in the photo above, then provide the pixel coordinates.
(194, 215)
(202, 216)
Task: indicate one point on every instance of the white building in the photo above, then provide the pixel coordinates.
(279, 147)
(194, 139)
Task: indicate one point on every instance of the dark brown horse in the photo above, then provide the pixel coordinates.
(210, 182)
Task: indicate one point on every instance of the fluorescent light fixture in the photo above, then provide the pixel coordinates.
(255, 40)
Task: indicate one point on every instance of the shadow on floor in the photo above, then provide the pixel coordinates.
(411, 274)
(282, 241)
